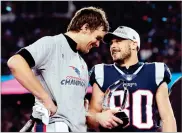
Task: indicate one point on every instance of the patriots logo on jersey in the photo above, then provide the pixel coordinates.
(76, 70)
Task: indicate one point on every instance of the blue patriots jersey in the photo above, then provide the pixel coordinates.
(142, 81)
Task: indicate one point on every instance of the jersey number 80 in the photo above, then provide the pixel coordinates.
(137, 107)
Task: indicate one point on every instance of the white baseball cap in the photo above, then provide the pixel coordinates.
(125, 33)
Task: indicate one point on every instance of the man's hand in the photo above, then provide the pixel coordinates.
(107, 119)
(50, 106)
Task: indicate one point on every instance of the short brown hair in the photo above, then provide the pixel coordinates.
(94, 17)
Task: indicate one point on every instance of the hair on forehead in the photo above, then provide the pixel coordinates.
(94, 17)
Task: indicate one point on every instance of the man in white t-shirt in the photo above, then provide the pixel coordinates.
(59, 72)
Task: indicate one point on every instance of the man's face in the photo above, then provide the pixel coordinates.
(120, 49)
(93, 39)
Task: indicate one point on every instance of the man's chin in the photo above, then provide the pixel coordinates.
(117, 61)
(86, 51)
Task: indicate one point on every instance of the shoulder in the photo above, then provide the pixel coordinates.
(157, 65)
(96, 68)
(60, 38)
(100, 67)
(46, 39)
(149, 64)
(160, 67)
(97, 73)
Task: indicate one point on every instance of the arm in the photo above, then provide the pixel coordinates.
(96, 117)
(95, 106)
(24, 75)
(165, 110)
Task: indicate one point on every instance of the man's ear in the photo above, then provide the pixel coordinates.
(85, 28)
(134, 45)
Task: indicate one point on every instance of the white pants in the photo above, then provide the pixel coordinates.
(53, 127)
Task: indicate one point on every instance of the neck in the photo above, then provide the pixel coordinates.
(130, 61)
(75, 37)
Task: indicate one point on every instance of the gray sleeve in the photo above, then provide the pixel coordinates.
(41, 51)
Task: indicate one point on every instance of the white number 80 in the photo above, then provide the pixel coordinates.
(137, 108)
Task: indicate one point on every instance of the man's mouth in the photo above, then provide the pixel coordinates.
(115, 51)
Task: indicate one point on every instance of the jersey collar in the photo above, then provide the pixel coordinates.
(131, 69)
(129, 75)
(71, 43)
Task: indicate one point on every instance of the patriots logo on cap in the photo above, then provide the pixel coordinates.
(76, 70)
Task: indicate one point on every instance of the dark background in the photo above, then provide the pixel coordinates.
(22, 23)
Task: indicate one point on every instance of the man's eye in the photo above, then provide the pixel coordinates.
(118, 41)
(99, 38)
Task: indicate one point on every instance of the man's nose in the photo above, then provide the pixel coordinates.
(112, 45)
(97, 44)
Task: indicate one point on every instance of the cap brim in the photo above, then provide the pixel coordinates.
(109, 37)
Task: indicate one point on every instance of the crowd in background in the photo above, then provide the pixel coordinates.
(15, 111)
(22, 23)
